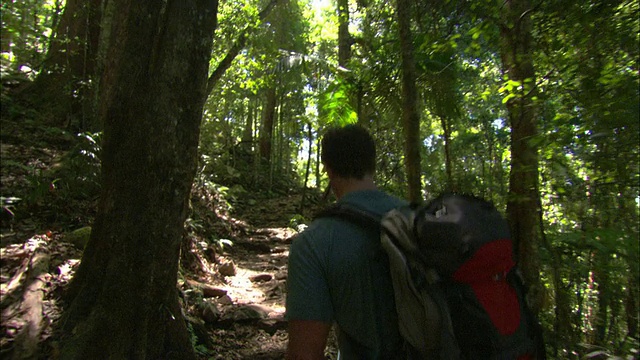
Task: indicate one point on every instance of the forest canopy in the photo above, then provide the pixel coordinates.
(533, 105)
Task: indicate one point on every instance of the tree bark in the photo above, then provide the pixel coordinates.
(604, 286)
(318, 162)
(307, 170)
(631, 305)
(247, 131)
(64, 85)
(410, 115)
(344, 38)
(268, 121)
(123, 301)
(448, 163)
(522, 205)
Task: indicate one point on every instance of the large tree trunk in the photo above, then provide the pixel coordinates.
(123, 301)
(522, 206)
(410, 115)
(64, 85)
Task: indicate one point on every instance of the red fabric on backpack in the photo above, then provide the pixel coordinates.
(486, 273)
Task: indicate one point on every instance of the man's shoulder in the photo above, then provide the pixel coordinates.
(326, 228)
(320, 228)
(373, 201)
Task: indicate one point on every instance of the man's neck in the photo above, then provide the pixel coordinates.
(343, 186)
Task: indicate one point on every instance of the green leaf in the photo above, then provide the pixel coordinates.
(507, 98)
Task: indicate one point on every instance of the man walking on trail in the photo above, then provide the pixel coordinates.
(338, 272)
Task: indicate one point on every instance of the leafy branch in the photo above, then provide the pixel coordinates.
(235, 49)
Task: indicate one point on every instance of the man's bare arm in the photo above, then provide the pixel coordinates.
(307, 339)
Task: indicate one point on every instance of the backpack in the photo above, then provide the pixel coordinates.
(458, 291)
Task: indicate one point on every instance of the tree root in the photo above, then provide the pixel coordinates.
(28, 310)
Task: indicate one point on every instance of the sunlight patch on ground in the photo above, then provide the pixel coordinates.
(283, 233)
(242, 290)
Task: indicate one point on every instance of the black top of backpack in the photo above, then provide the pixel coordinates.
(452, 227)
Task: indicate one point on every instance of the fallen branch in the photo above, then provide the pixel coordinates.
(26, 342)
(14, 283)
(24, 310)
(25, 252)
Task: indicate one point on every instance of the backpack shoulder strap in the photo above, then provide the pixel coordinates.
(351, 214)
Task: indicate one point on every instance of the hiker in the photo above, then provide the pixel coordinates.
(338, 272)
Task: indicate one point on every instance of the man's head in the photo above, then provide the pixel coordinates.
(349, 152)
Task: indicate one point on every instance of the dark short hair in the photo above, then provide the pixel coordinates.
(349, 151)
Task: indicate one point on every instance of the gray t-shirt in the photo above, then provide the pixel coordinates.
(339, 273)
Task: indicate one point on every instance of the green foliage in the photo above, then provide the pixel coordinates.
(335, 107)
(298, 222)
(80, 168)
(26, 28)
(68, 190)
(39, 188)
(200, 349)
(211, 205)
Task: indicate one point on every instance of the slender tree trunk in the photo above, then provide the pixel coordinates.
(318, 161)
(629, 215)
(307, 171)
(238, 45)
(268, 121)
(345, 42)
(360, 109)
(344, 38)
(282, 136)
(410, 115)
(123, 300)
(443, 95)
(446, 127)
(7, 42)
(55, 19)
(247, 133)
(64, 85)
(255, 176)
(516, 53)
(562, 328)
(631, 305)
(601, 277)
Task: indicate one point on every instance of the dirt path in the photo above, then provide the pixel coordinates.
(251, 324)
(260, 259)
(234, 304)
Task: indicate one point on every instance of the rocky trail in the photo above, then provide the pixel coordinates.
(234, 304)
